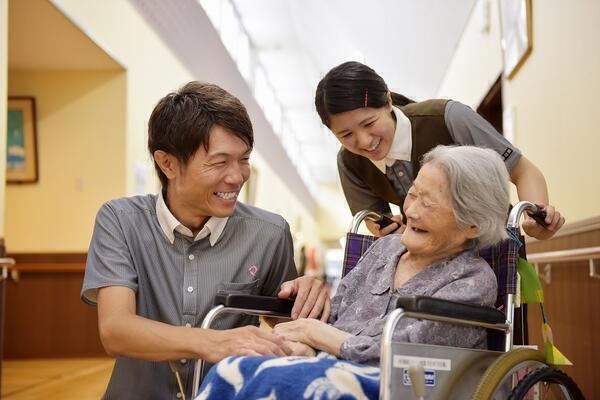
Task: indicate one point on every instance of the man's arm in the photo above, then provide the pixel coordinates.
(123, 333)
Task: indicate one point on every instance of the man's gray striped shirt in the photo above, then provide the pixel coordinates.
(176, 283)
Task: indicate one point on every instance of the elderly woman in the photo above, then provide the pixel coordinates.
(457, 204)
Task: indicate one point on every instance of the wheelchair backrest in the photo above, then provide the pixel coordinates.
(501, 257)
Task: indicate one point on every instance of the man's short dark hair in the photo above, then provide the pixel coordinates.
(181, 121)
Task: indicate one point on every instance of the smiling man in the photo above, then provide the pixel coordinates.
(156, 262)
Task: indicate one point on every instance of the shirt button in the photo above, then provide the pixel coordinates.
(400, 173)
(190, 289)
(183, 361)
(178, 395)
(188, 325)
(191, 256)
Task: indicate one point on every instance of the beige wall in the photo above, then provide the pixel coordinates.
(554, 95)
(477, 61)
(334, 213)
(3, 93)
(273, 195)
(81, 145)
(152, 70)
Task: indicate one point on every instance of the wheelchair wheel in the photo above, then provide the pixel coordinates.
(499, 375)
(551, 383)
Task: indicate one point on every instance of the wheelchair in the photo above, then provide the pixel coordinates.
(422, 371)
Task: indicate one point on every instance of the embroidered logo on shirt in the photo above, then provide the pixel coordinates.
(506, 153)
(252, 270)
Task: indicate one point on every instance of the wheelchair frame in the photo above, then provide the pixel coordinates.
(395, 316)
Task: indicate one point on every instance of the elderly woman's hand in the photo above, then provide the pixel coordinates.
(300, 349)
(554, 222)
(315, 333)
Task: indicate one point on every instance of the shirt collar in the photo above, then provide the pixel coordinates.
(169, 224)
(401, 146)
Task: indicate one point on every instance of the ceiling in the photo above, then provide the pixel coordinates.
(408, 42)
(41, 37)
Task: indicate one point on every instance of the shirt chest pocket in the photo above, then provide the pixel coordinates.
(238, 288)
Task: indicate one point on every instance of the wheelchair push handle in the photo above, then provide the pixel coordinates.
(539, 216)
(381, 219)
(533, 210)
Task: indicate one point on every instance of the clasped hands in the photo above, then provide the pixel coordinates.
(311, 301)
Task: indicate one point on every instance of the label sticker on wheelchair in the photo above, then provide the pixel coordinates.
(439, 364)
(429, 377)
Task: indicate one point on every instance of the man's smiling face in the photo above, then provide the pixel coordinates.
(212, 179)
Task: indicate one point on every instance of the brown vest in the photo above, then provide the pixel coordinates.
(428, 130)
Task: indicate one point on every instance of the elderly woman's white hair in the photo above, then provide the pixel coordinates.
(478, 186)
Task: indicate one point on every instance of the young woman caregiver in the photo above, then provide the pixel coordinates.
(384, 135)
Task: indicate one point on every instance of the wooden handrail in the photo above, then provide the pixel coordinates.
(585, 253)
(49, 267)
(6, 264)
(9, 266)
(549, 257)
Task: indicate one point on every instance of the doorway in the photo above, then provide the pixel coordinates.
(491, 105)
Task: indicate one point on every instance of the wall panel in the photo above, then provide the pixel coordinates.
(572, 302)
(44, 314)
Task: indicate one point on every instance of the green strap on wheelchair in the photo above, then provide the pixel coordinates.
(532, 293)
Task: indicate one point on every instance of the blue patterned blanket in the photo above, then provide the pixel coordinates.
(320, 377)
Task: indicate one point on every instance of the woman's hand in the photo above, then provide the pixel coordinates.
(392, 228)
(554, 222)
(300, 349)
(313, 333)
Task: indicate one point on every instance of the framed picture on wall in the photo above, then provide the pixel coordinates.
(21, 141)
(516, 34)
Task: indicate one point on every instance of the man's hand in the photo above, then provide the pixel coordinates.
(554, 222)
(245, 341)
(312, 297)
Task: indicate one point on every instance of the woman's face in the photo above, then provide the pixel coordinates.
(368, 132)
(431, 229)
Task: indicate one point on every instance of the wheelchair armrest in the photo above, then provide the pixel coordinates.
(282, 307)
(451, 309)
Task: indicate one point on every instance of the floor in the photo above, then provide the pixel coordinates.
(54, 379)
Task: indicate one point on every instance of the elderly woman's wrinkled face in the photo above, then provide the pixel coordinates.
(431, 229)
